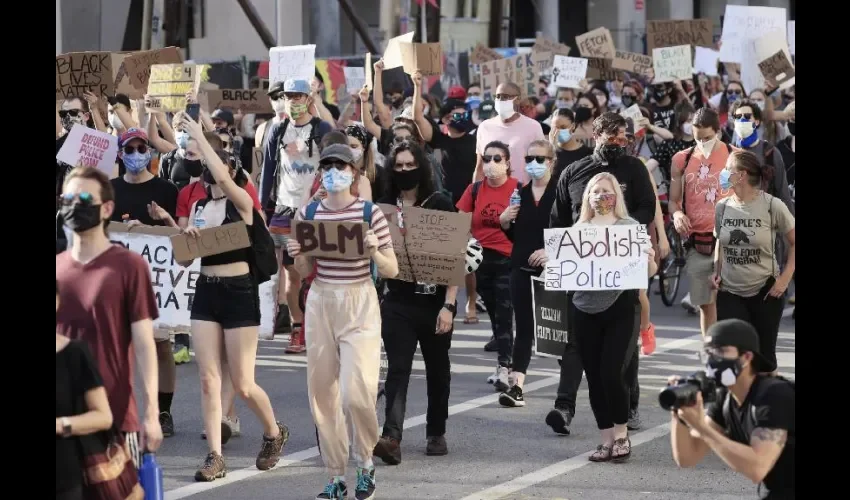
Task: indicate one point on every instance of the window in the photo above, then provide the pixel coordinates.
(461, 8)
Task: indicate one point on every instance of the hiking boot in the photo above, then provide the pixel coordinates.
(647, 340)
(272, 448)
(436, 446)
(559, 420)
(335, 490)
(212, 469)
(512, 398)
(365, 489)
(167, 424)
(296, 342)
(389, 450)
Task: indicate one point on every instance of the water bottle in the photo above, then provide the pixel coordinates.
(515, 200)
(200, 221)
(150, 477)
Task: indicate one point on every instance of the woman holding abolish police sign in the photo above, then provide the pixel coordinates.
(604, 325)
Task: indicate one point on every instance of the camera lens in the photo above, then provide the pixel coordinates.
(677, 396)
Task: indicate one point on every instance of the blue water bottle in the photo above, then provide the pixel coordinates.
(150, 477)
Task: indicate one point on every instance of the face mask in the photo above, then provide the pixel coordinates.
(535, 170)
(744, 129)
(610, 152)
(603, 203)
(182, 139)
(356, 154)
(730, 98)
(760, 104)
(136, 162)
(115, 121)
(406, 179)
(69, 121)
(279, 106)
(335, 180)
(627, 100)
(563, 104)
(724, 371)
(505, 109)
(495, 170)
(687, 129)
(296, 111)
(193, 167)
(564, 136)
(473, 102)
(792, 128)
(725, 179)
(583, 114)
(707, 146)
(397, 102)
(80, 218)
(659, 94)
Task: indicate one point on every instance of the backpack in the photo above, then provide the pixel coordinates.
(310, 214)
(314, 122)
(262, 261)
(476, 186)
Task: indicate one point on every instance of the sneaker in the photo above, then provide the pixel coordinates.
(272, 448)
(491, 345)
(479, 305)
(436, 446)
(500, 384)
(229, 428)
(365, 489)
(167, 424)
(181, 354)
(559, 420)
(212, 469)
(634, 422)
(335, 490)
(647, 340)
(512, 398)
(296, 342)
(389, 450)
(686, 303)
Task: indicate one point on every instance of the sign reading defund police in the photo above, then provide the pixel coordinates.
(550, 320)
(592, 257)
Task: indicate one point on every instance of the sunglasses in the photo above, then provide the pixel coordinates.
(734, 92)
(538, 159)
(141, 148)
(493, 158)
(339, 165)
(73, 113)
(616, 140)
(409, 165)
(401, 138)
(458, 116)
(745, 116)
(85, 198)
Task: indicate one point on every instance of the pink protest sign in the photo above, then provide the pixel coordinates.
(88, 147)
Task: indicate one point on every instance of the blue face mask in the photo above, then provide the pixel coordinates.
(535, 170)
(335, 180)
(725, 179)
(136, 162)
(182, 140)
(473, 101)
(564, 135)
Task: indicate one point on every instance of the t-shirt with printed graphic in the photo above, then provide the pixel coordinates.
(747, 241)
(298, 167)
(702, 185)
(486, 209)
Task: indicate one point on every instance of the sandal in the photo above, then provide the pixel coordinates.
(470, 320)
(622, 450)
(602, 454)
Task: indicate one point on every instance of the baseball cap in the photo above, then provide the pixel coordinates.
(339, 152)
(133, 133)
(224, 115)
(275, 88)
(740, 334)
(457, 92)
(451, 104)
(487, 109)
(296, 86)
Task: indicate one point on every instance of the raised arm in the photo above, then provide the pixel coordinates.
(425, 128)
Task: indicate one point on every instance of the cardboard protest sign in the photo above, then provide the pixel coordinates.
(757, 50)
(568, 72)
(392, 55)
(247, 100)
(169, 83)
(80, 72)
(212, 241)
(295, 61)
(335, 240)
(597, 43)
(368, 67)
(543, 44)
(596, 257)
(550, 319)
(742, 23)
(519, 69)
(632, 62)
(602, 69)
(137, 65)
(705, 61)
(777, 69)
(672, 63)
(634, 113)
(355, 78)
(482, 54)
(696, 32)
(425, 57)
(86, 147)
(256, 165)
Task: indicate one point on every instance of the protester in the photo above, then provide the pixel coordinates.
(562, 136)
(734, 92)
(665, 96)
(585, 110)
(319, 82)
(360, 142)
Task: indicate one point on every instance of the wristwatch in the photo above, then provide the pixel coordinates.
(66, 427)
(450, 308)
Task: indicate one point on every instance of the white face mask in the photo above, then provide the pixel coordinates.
(495, 170)
(505, 109)
(707, 146)
(279, 106)
(687, 129)
(744, 129)
(115, 121)
(356, 154)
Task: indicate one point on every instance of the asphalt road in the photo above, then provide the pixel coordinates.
(494, 452)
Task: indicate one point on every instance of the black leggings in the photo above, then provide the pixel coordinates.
(762, 311)
(524, 314)
(606, 342)
(493, 281)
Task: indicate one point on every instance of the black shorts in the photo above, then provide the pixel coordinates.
(232, 302)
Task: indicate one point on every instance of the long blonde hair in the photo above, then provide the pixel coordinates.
(587, 210)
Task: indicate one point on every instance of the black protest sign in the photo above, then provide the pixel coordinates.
(247, 100)
(696, 32)
(335, 240)
(80, 72)
(550, 320)
(777, 69)
(212, 241)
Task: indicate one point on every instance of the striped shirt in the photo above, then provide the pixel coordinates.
(342, 271)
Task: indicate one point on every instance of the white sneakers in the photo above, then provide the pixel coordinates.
(500, 379)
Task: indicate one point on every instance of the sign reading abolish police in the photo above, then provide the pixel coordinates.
(550, 320)
(596, 258)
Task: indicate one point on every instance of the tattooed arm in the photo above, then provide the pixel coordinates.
(753, 461)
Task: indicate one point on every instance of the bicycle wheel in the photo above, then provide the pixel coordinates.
(669, 276)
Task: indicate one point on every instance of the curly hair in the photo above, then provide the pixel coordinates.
(608, 123)
(425, 188)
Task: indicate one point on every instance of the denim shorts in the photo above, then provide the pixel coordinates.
(232, 302)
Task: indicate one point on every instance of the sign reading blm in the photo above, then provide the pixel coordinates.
(590, 257)
(550, 320)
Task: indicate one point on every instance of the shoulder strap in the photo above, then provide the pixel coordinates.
(310, 211)
(426, 200)
(728, 147)
(684, 168)
(231, 212)
(727, 410)
(476, 186)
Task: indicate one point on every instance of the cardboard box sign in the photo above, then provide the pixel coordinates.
(336, 240)
(213, 241)
(80, 72)
(248, 100)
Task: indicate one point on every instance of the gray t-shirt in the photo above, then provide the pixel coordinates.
(597, 301)
(746, 234)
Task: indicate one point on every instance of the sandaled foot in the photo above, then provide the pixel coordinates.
(622, 450)
(470, 320)
(602, 454)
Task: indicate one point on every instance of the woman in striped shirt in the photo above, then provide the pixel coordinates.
(344, 338)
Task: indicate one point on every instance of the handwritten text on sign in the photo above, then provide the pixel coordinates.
(596, 258)
(212, 241)
(80, 72)
(169, 83)
(89, 148)
(596, 43)
(336, 240)
(568, 72)
(246, 100)
(672, 63)
(297, 61)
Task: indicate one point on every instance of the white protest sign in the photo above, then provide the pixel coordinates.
(705, 61)
(743, 23)
(568, 72)
(355, 78)
(757, 50)
(295, 61)
(590, 257)
(392, 56)
(791, 36)
(88, 147)
(672, 63)
(634, 113)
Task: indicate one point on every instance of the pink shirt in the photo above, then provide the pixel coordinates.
(517, 134)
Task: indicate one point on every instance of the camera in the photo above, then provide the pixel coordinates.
(685, 392)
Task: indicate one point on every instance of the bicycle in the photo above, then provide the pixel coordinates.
(671, 267)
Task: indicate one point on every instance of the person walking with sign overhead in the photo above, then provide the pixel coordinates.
(609, 156)
(344, 339)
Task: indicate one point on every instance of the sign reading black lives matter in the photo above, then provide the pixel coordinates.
(591, 257)
(550, 320)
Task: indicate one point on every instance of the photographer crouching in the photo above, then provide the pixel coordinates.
(749, 421)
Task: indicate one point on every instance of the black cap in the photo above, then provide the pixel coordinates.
(224, 115)
(275, 88)
(487, 109)
(339, 152)
(741, 335)
(450, 105)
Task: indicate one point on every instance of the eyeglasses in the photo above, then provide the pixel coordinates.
(409, 165)
(141, 148)
(73, 113)
(339, 165)
(734, 92)
(492, 158)
(538, 159)
(84, 197)
(505, 97)
(745, 116)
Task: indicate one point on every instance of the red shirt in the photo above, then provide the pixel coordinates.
(195, 191)
(489, 206)
(98, 302)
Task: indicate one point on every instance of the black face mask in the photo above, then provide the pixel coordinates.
(610, 152)
(398, 102)
(659, 94)
(406, 179)
(207, 177)
(627, 100)
(193, 167)
(725, 371)
(792, 128)
(80, 218)
(583, 114)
